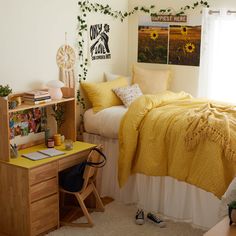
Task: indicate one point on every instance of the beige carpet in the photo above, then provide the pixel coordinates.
(118, 220)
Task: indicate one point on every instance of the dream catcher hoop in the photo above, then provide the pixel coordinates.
(66, 60)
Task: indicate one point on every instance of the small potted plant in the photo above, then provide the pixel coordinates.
(5, 91)
(232, 212)
(59, 115)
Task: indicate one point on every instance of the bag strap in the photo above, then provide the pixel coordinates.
(98, 164)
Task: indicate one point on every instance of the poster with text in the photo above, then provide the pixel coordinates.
(184, 45)
(152, 41)
(99, 42)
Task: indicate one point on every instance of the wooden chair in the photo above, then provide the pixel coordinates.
(89, 177)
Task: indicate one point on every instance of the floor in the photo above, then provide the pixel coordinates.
(71, 211)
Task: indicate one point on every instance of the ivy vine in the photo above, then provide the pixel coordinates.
(88, 7)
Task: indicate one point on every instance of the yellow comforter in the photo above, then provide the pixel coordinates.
(172, 134)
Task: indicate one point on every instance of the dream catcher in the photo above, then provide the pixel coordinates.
(66, 61)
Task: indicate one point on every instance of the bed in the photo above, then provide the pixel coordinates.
(172, 198)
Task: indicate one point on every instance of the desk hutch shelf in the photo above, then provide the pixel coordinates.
(29, 197)
(68, 127)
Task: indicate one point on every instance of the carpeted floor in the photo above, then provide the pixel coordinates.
(118, 220)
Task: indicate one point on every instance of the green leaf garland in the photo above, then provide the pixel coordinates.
(88, 7)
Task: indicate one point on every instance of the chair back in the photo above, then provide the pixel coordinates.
(90, 172)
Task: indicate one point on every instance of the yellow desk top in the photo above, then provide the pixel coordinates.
(27, 163)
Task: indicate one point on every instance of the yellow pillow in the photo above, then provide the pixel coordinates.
(101, 95)
(151, 81)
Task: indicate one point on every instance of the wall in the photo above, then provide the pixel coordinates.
(184, 77)
(32, 31)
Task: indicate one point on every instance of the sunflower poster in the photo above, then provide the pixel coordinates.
(152, 42)
(168, 43)
(184, 45)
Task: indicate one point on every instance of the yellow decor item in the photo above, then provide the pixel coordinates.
(101, 95)
(57, 139)
(172, 134)
(151, 81)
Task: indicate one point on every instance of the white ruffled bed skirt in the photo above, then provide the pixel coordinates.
(167, 196)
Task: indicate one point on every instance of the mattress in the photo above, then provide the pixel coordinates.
(106, 122)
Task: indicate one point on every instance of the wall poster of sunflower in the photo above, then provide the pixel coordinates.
(184, 45)
(152, 42)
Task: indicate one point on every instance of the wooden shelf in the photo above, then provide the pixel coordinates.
(27, 106)
(68, 128)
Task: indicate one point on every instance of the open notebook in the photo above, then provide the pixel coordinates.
(41, 154)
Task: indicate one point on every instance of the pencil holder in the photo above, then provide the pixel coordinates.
(14, 152)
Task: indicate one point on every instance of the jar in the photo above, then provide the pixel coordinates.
(50, 143)
(57, 139)
(68, 144)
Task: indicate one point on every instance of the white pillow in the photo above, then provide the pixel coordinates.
(128, 94)
(109, 76)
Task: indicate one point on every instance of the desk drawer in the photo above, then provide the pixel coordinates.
(72, 160)
(43, 172)
(44, 214)
(43, 189)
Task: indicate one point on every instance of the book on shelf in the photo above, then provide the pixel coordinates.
(32, 102)
(36, 96)
(42, 154)
(36, 99)
(36, 92)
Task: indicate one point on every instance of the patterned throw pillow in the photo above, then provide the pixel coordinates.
(128, 94)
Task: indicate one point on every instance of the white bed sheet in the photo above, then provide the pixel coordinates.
(106, 122)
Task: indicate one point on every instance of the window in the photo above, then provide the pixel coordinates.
(218, 60)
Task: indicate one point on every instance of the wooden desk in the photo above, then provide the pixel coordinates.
(222, 229)
(29, 198)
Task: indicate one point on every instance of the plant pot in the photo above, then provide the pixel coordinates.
(232, 215)
(6, 97)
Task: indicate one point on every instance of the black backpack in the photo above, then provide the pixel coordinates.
(72, 179)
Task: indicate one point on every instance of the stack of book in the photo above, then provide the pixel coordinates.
(36, 97)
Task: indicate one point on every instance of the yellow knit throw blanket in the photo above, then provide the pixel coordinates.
(215, 122)
(153, 141)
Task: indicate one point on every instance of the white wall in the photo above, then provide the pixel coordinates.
(31, 32)
(184, 77)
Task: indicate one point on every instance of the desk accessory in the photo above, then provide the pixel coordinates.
(14, 151)
(42, 154)
(46, 136)
(55, 89)
(68, 144)
(50, 143)
(57, 139)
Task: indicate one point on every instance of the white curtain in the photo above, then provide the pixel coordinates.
(218, 56)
